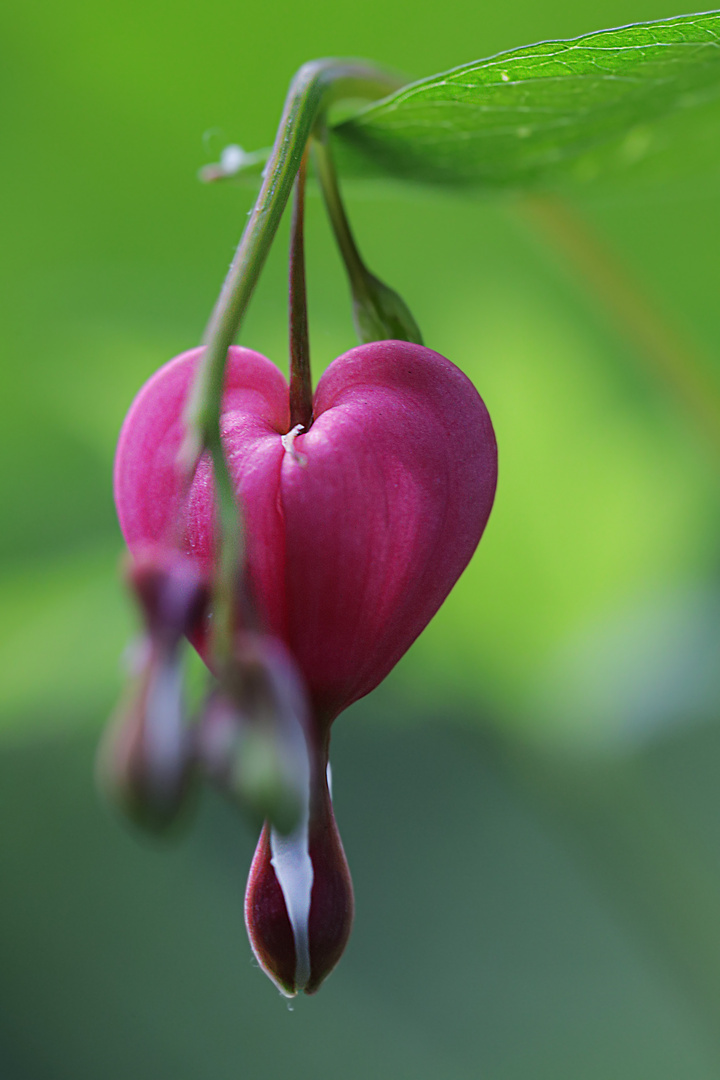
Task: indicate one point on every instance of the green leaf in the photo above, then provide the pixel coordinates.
(379, 313)
(554, 112)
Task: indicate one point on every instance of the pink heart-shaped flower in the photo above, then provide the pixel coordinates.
(356, 529)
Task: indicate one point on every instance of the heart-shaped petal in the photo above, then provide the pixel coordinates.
(357, 530)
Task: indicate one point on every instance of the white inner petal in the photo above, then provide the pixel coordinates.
(164, 742)
(288, 440)
(290, 859)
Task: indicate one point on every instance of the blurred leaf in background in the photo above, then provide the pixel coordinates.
(516, 909)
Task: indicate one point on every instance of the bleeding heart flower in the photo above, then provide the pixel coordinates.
(356, 531)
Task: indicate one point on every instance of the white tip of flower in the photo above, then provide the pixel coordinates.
(288, 444)
(164, 734)
(290, 858)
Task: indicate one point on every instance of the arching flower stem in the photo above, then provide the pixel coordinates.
(317, 86)
(379, 313)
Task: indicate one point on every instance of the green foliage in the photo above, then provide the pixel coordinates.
(556, 111)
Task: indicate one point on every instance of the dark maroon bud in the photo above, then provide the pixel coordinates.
(299, 902)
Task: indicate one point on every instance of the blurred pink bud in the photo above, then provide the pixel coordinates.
(356, 529)
(145, 757)
(144, 760)
(171, 589)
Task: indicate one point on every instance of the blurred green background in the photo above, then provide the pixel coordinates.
(530, 803)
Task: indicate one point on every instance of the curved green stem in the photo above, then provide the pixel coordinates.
(379, 312)
(314, 89)
(356, 269)
(316, 86)
(230, 552)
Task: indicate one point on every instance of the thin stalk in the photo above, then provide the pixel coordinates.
(664, 349)
(301, 396)
(379, 313)
(316, 86)
(356, 269)
(230, 552)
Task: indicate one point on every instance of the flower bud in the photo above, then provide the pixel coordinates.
(145, 758)
(252, 734)
(171, 591)
(144, 761)
(299, 902)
